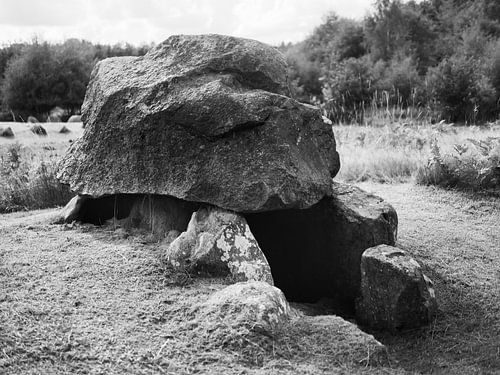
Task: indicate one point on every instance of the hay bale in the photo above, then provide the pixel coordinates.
(8, 133)
(64, 130)
(33, 119)
(38, 130)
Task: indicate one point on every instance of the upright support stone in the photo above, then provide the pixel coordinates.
(219, 242)
(395, 294)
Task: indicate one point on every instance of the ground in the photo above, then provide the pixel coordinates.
(92, 300)
(82, 299)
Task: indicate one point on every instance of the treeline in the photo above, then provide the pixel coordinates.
(432, 60)
(35, 77)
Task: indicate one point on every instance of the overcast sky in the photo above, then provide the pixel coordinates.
(144, 21)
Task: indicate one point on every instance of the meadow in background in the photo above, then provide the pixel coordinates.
(412, 91)
(28, 166)
(467, 158)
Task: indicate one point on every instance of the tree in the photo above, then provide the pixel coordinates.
(42, 76)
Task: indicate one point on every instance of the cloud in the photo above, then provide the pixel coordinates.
(138, 21)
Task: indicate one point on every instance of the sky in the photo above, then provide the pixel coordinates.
(146, 21)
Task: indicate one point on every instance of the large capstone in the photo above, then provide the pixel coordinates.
(204, 119)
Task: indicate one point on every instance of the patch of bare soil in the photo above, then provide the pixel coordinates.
(456, 237)
(82, 299)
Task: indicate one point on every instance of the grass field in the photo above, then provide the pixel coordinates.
(28, 166)
(395, 153)
(87, 300)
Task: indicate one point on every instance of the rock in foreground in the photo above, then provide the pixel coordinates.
(204, 119)
(395, 294)
(254, 306)
(219, 242)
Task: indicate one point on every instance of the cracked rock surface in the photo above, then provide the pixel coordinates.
(219, 242)
(204, 119)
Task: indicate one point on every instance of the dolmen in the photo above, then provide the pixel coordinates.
(200, 142)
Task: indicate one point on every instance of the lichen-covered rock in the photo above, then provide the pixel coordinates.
(316, 252)
(255, 305)
(204, 119)
(219, 242)
(395, 294)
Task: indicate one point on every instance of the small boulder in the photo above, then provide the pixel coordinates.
(220, 242)
(75, 118)
(33, 120)
(38, 130)
(7, 132)
(395, 294)
(64, 130)
(254, 305)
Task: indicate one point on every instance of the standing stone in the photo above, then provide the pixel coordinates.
(7, 132)
(203, 118)
(38, 130)
(395, 294)
(64, 130)
(219, 242)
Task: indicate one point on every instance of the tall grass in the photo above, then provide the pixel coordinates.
(28, 181)
(380, 108)
(440, 154)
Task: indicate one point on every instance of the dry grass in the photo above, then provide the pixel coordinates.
(28, 167)
(92, 300)
(395, 153)
(455, 236)
(85, 300)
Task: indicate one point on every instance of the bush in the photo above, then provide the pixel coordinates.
(303, 74)
(403, 83)
(460, 91)
(43, 75)
(29, 184)
(474, 165)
